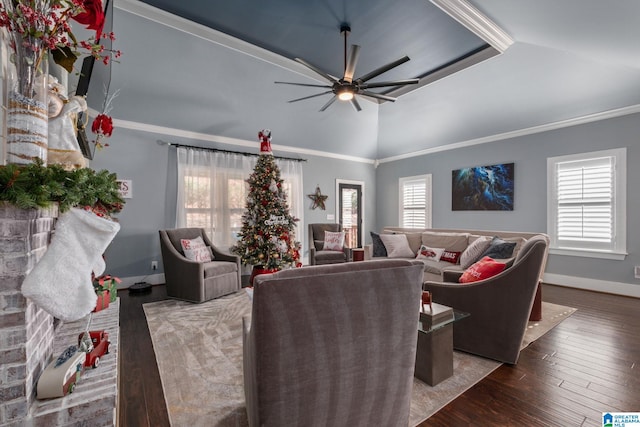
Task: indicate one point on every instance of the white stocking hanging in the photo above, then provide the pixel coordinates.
(61, 281)
(98, 267)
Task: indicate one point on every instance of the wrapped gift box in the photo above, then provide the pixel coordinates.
(103, 301)
(107, 283)
(113, 289)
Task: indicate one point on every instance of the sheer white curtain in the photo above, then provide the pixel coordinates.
(212, 191)
(291, 173)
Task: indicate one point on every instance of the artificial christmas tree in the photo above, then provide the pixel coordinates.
(267, 238)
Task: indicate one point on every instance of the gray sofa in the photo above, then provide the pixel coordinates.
(453, 239)
(333, 345)
(457, 240)
(499, 305)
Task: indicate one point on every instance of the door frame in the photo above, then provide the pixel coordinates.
(337, 208)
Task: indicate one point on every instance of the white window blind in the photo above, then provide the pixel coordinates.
(415, 202)
(585, 200)
(584, 209)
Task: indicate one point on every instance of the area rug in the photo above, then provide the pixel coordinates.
(198, 348)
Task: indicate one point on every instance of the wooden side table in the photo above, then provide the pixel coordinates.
(357, 254)
(434, 353)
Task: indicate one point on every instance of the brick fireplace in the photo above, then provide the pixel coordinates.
(29, 336)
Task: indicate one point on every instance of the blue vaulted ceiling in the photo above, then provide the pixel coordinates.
(568, 59)
(386, 30)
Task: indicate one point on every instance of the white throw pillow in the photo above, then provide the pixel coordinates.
(397, 246)
(333, 241)
(432, 254)
(473, 251)
(195, 249)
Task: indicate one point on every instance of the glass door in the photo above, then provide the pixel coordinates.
(350, 214)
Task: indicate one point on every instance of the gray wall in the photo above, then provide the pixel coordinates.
(323, 172)
(529, 153)
(137, 156)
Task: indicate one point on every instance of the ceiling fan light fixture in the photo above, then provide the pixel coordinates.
(347, 87)
(345, 95)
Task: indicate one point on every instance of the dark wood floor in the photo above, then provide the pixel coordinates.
(587, 365)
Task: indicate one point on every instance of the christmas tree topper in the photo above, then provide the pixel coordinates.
(265, 141)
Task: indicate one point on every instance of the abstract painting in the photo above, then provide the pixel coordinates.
(483, 188)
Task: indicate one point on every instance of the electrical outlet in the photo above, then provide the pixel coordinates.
(636, 271)
(154, 265)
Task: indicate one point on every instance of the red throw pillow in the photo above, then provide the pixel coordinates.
(450, 256)
(483, 269)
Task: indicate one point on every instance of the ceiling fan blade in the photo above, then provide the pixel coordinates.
(393, 83)
(355, 104)
(376, 95)
(382, 69)
(329, 102)
(310, 96)
(302, 84)
(317, 70)
(350, 66)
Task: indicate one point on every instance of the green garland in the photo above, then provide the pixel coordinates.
(35, 185)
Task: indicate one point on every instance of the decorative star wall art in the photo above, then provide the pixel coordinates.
(318, 199)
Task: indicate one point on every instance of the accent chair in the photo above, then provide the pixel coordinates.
(332, 345)
(317, 255)
(197, 281)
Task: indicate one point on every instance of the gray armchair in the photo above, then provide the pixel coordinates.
(317, 256)
(332, 345)
(499, 305)
(197, 281)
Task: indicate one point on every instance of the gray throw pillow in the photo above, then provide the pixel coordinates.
(499, 249)
(378, 247)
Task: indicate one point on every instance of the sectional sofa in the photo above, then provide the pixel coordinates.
(456, 245)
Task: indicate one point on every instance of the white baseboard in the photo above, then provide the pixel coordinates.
(154, 279)
(618, 288)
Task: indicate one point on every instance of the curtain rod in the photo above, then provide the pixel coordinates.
(219, 150)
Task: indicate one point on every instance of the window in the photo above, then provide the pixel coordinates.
(415, 201)
(213, 192)
(214, 199)
(586, 202)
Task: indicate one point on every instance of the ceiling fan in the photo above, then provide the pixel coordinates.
(347, 87)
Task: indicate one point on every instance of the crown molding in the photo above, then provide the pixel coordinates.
(609, 114)
(237, 142)
(179, 133)
(476, 22)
